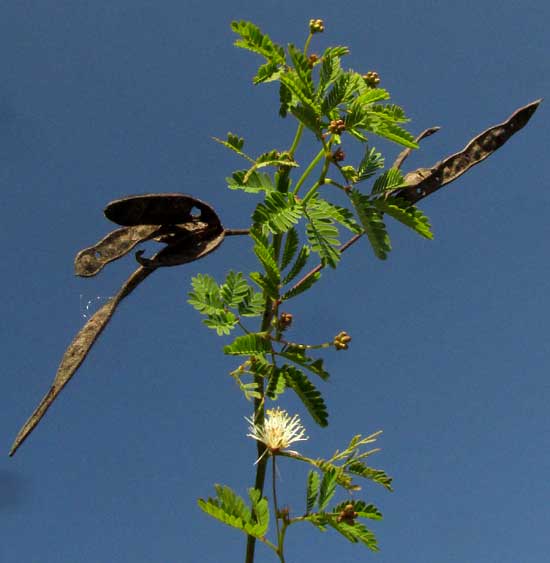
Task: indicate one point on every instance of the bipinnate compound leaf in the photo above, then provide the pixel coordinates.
(254, 40)
(248, 345)
(279, 212)
(313, 481)
(205, 297)
(355, 533)
(373, 223)
(407, 214)
(327, 488)
(375, 475)
(298, 266)
(363, 509)
(307, 393)
(252, 182)
(235, 289)
(302, 286)
(290, 248)
(231, 509)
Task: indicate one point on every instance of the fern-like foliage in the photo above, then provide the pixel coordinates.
(252, 304)
(235, 289)
(301, 287)
(254, 40)
(327, 488)
(231, 509)
(255, 182)
(407, 214)
(356, 533)
(206, 296)
(373, 223)
(391, 179)
(290, 248)
(363, 509)
(321, 232)
(248, 345)
(299, 357)
(278, 213)
(369, 165)
(312, 490)
(307, 393)
(298, 266)
(266, 255)
(375, 475)
(222, 322)
(303, 70)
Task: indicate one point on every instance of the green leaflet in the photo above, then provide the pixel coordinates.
(307, 393)
(389, 180)
(251, 182)
(222, 322)
(279, 212)
(371, 219)
(402, 211)
(252, 305)
(276, 385)
(206, 296)
(312, 490)
(235, 289)
(375, 475)
(369, 164)
(389, 130)
(298, 265)
(330, 67)
(356, 533)
(266, 255)
(327, 488)
(322, 234)
(256, 41)
(231, 509)
(300, 92)
(299, 357)
(290, 247)
(303, 69)
(309, 116)
(248, 345)
(304, 286)
(267, 72)
(363, 509)
(265, 284)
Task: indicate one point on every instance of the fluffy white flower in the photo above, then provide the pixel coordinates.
(278, 431)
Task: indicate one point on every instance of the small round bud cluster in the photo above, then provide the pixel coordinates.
(337, 126)
(285, 320)
(316, 26)
(312, 59)
(338, 155)
(371, 78)
(347, 515)
(341, 340)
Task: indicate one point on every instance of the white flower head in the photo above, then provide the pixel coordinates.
(278, 431)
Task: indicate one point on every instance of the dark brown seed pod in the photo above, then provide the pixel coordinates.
(188, 227)
(159, 209)
(424, 181)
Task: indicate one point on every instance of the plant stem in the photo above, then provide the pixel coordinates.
(308, 170)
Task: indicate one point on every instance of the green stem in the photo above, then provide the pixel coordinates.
(296, 140)
(275, 504)
(259, 410)
(308, 170)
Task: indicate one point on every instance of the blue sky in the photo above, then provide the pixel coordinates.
(450, 355)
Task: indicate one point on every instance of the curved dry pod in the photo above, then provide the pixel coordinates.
(159, 209)
(189, 228)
